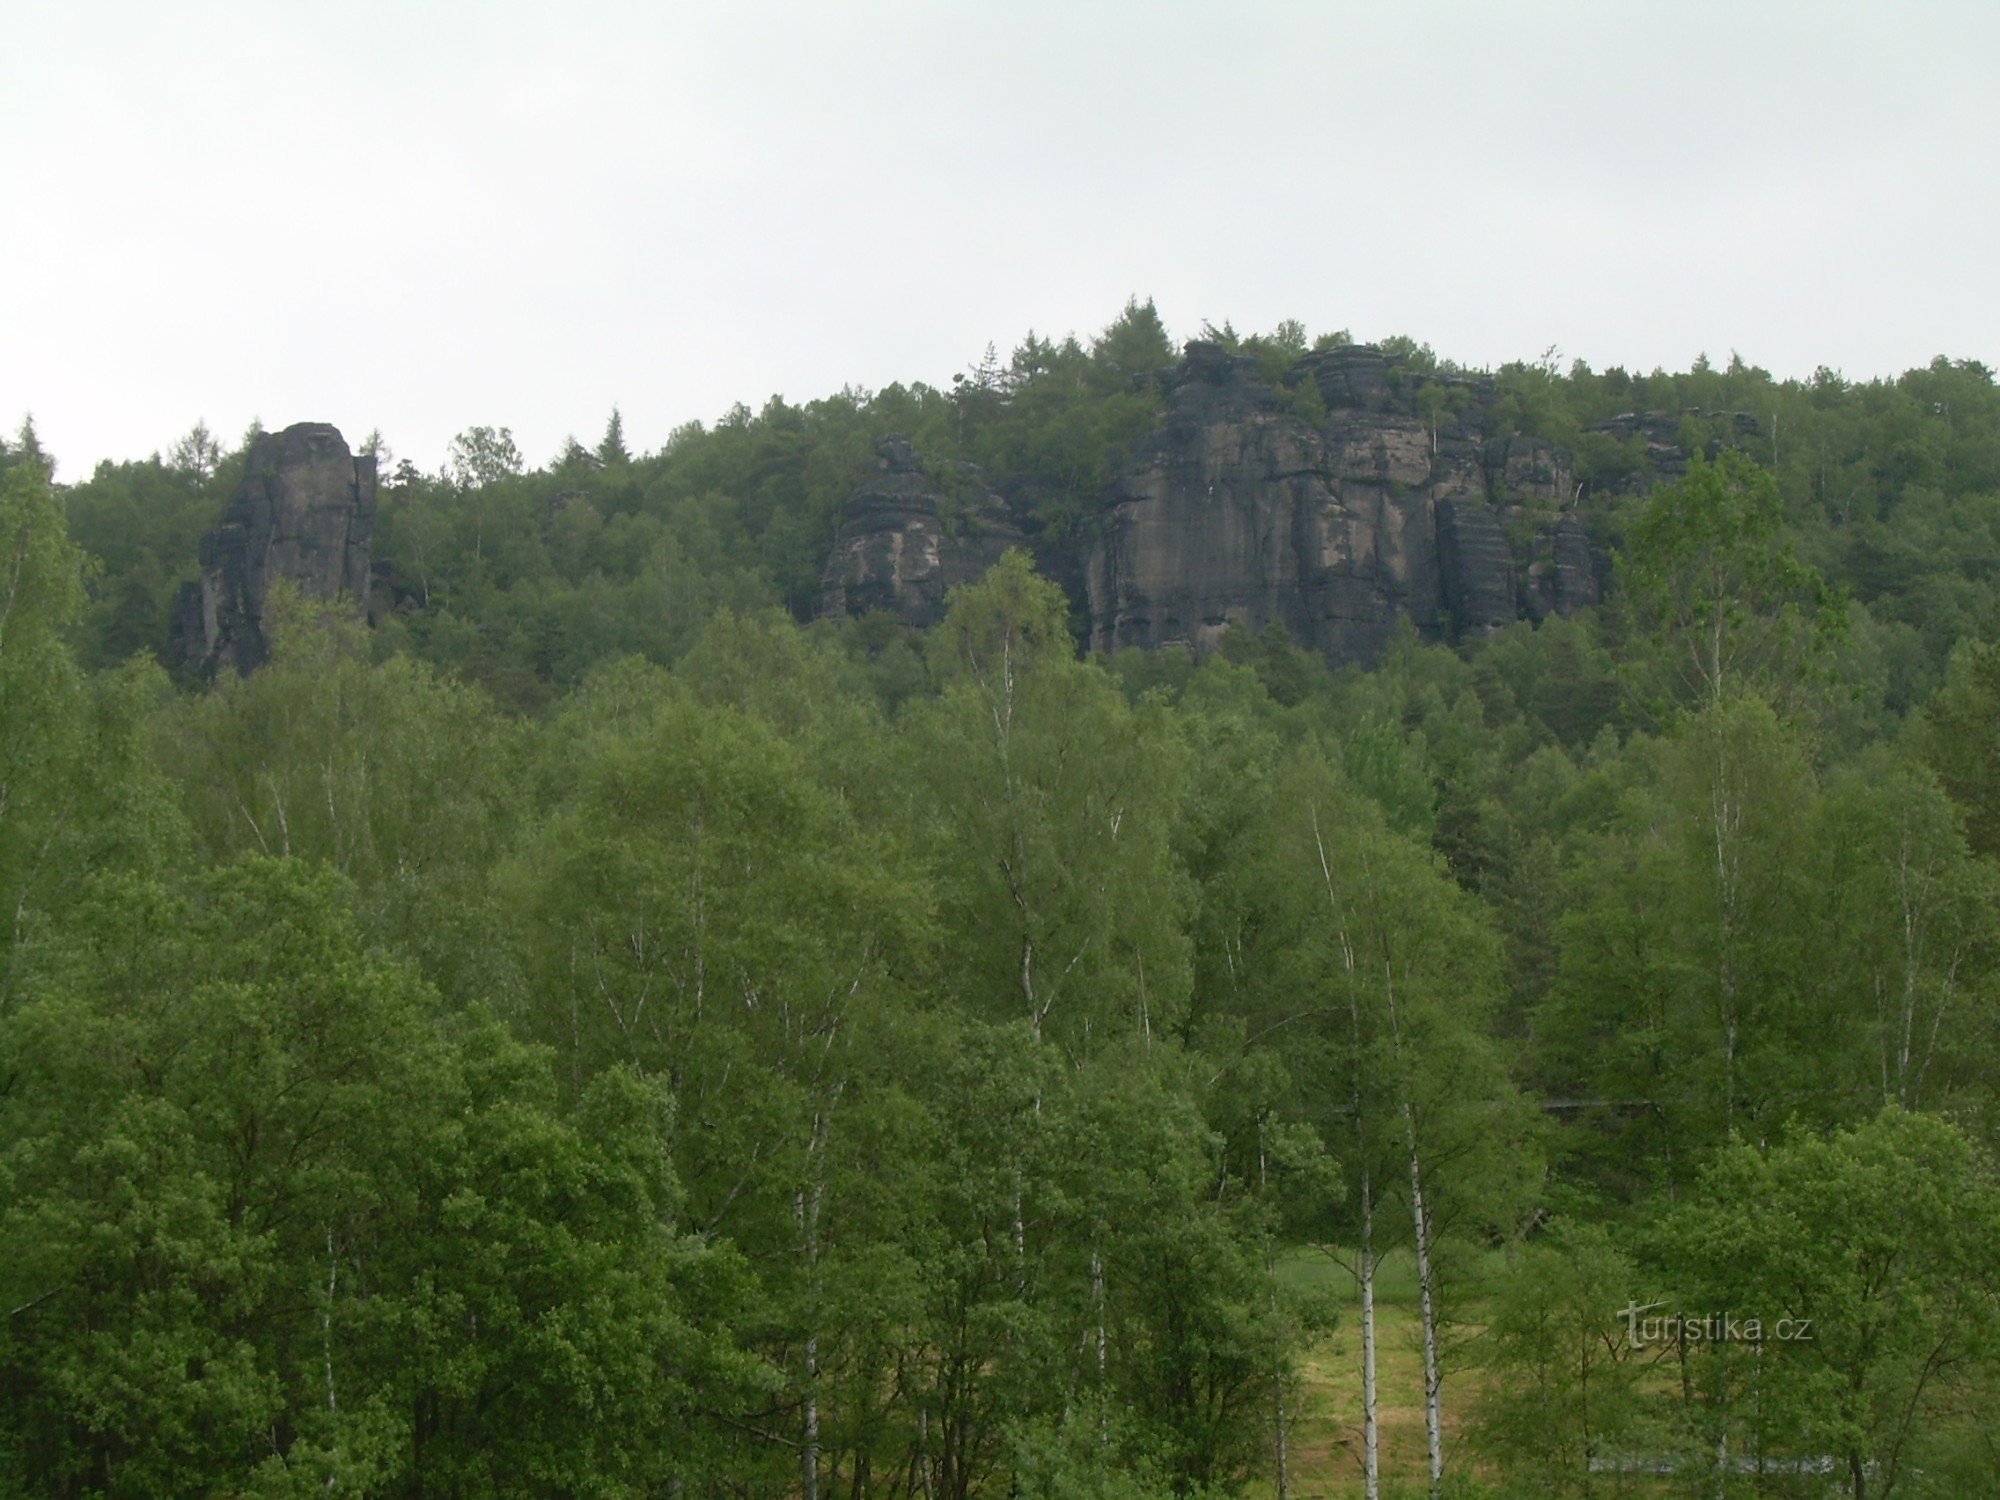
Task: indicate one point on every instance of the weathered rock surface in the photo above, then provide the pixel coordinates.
(1238, 511)
(305, 514)
(1475, 565)
(906, 537)
(1230, 512)
(1566, 572)
(1389, 498)
(1656, 443)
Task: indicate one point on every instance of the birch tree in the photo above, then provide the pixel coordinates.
(699, 909)
(1908, 921)
(1047, 807)
(1389, 971)
(41, 694)
(1868, 1261)
(271, 1228)
(1682, 1002)
(1712, 574)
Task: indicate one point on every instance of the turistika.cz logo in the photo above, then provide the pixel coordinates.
(1646, 1324)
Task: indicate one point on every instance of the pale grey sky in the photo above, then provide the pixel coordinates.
(424, 217)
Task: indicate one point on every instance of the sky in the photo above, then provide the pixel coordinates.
(419, 218)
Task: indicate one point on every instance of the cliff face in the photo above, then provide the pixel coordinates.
(905, 538)
(1396, 506)
(305, 513)
(1657, 444)
(1237, 509)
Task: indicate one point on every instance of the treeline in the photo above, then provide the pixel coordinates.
(593, 1035)
(520, 578)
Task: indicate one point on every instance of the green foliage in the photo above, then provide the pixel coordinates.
(1565, 1384)
(1960, 737)
(1563, 678)
(41, 695)
(392, 774)
(482, 456)
(1682, 1005)
(1712, 576)
(585, 1034)
(1049, 811)
(78, 788)
(269, 1223)
(1884, 1240)
(1906, 926)
(1746, 945)
(142, 523)
(1289, 674)
(611, 449)
(1825, 1305)
(695, 879)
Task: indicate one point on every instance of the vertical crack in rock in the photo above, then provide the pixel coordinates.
(1400, 503)
(1334, 530)
(907, 536)
(305, 513)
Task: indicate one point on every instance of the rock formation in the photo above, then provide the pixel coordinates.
(1237, 510)
(1364, 494)
(907, 536)
(1656, 443)
(305, 514)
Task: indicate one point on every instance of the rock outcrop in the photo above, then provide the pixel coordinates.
(907, 536)
(1363, 494)
(1230, 513)
(1656, 444)
(1238, 510)
(305, 514)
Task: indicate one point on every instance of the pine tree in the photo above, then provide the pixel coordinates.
(612, 449)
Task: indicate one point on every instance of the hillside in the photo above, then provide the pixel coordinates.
(1152, 923)
(1331, 489)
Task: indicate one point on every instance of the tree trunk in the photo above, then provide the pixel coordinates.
(809, 1437)
(1103, 1350)
(1427, 1311)
(1284, 1454)
(809, 1448)
(1371, 1467)
(806, 1205)
(1281, 1425)
(1365, 1267)
(1426, 1284)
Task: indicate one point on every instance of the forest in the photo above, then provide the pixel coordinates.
(591, 1027)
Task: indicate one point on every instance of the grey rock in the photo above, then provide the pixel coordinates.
(1237, 512)
(1654, 441)
(306, 514)
(1353, 377)
(1475, 567)
(1402, 503)
(1566, 572)
(907, 538)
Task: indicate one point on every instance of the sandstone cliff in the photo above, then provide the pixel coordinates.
(306, 514)
(1398, 504)
(1246, 506)
(1656, 444)
(906, 537)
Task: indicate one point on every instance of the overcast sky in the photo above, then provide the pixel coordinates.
(424, 217)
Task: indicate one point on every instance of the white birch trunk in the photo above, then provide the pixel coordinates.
(1371, 1446)
(809, 1449)
(807, 1205)
(1427, 1311)
(1103, 1350)
(809, 1436)
(1365, 1267)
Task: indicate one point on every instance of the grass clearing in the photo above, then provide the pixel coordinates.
(1326, 1425)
